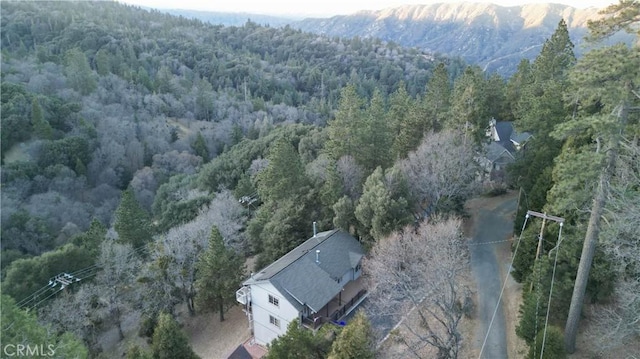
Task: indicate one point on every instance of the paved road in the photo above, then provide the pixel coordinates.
(490, 225)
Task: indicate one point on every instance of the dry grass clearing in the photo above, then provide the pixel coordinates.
(212, 339)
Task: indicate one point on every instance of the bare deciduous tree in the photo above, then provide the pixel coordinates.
(177, 252)
(116, 281)
(441, 167)
(226, 213)
(77, 313)
(352, 176)
(418, 273)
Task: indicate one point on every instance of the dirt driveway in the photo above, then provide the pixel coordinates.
(212, 339)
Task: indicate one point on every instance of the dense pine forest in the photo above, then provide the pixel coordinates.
(147, 155)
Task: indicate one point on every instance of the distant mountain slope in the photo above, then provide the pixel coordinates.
(492, 36)
(232, 19)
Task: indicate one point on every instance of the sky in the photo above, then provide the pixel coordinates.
(322, 8)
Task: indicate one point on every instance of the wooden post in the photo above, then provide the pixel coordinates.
(544, 217)
(539, 246)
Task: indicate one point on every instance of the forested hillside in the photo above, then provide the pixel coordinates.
(146, 156)
(97, 96)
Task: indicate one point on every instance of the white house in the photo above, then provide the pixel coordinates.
(317, 282)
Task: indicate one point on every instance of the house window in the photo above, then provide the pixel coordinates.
(275, 321)
(358, 267)
(273, 300)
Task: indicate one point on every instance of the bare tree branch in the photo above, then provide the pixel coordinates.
(441, 167)
(419, 271)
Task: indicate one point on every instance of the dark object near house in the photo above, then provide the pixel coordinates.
(240, 353)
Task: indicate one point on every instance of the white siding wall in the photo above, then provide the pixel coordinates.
(348, 276)
(264, 331)
(357, 271)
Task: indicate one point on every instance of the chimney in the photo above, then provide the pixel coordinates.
(317, 256)
(315, 230)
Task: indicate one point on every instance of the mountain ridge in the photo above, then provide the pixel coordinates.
(493, 36)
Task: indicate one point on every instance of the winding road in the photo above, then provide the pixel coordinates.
(492, 225)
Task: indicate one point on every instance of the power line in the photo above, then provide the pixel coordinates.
(553, 276)
(65, 279)
(559, 220)
(495, 311)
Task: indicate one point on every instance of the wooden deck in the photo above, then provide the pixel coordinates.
(341, 305)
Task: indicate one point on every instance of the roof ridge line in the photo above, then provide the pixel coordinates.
(301, 255)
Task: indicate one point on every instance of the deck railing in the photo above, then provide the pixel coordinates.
(315, 323)
(343, 310)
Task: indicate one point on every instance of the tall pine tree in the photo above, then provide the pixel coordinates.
(403, 124)
(373, 138)
(220, 273)
(346, 123)
(437, 99)
(469, 108)
(132, 221)
(169, 341)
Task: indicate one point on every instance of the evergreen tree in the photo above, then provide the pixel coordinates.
(21, 327)
(92, 238)
(355, 341)
(553, 345)
(607, 82)
(300, 343)
(135, 352)
(541, 104)
(199, 146)
(469, 108)
(623, 16)
(342, 129)
(169, 341)
(515, 86)
(373, 137)
(383, 206)
(132, 221)
(41, 127)
(402, 121)
(496, 97)
(103, 66)
(540, 107)
(79, 73)
(289, 224)
(344, 210)
(284, 177)
(204, 100)
(220, 273)
(437, 99)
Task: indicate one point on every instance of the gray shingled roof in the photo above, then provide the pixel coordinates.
(504, 130)
(495, 150)
(302, 280)
(520, 137)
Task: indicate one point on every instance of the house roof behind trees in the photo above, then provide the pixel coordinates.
(503, 133)
(309, 278)
(495, 151)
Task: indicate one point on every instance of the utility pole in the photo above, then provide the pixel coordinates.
(544, 217)
(591, 238)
